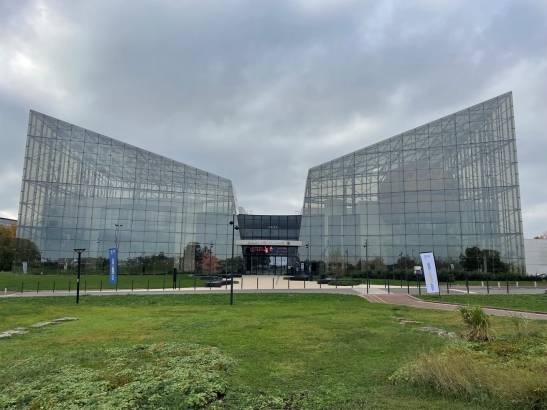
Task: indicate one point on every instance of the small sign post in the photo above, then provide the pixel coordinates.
(113, 256)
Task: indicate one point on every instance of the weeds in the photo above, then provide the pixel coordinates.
(477, 323)
(482, 372)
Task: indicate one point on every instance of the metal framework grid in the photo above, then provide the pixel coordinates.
(444, 186)
(82, 189)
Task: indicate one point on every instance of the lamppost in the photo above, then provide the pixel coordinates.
(366, 261)
(118, 226)
(210, 257)
(234, 229)
(116, 234)
(79, 251)
(308, 248)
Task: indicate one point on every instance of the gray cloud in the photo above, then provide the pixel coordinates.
(261, 91)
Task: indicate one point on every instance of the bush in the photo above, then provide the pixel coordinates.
(345, 282)
(477, 323)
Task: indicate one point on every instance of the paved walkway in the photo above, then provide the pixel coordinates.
(396, 295)
(408, 300)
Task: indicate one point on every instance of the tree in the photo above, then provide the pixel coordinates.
(7, 246)
(474, 259)
(209, 263)
(542, 236)
(335, 260)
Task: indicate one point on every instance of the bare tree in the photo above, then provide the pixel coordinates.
(542, 236)
(335, 260)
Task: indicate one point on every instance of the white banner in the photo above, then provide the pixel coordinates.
(267, 242)
(430, 272)
(25, 267)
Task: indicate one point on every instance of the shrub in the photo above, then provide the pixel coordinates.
(477, 323)
(345, 282)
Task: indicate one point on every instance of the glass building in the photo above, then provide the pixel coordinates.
(81, 189)
(446, 186)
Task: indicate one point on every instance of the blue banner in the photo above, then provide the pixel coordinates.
(113, 256)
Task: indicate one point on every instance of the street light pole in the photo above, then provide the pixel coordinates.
(210, 257)
(366, 261)
(308, 248)
(234, 228)
(79, 251)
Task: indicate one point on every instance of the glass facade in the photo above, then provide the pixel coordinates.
(81, 189)
(446, 186)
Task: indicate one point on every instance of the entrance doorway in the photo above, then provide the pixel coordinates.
(274, 260)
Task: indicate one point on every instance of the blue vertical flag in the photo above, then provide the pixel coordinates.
(113, 256)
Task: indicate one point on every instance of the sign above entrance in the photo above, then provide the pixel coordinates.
(267, 242)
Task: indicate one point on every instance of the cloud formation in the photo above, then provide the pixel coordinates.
(259, 92)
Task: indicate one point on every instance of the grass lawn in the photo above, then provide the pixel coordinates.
(93, 282)
(536, 303)
(336, 351)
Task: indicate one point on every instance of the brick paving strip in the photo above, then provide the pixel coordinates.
(408, 300)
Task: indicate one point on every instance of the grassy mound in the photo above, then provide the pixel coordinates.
(157, 376)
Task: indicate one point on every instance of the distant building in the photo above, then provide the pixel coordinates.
(7, 221)
(536, 256)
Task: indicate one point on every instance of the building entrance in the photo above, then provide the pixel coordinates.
(270, 260)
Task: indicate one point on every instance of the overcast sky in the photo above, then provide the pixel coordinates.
(261, 91)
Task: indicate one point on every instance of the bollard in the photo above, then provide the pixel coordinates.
(69, 283)
(447, 288)
(499, 285)
(288, 283)
(467, 285)
(304, 284)
(482, 284)
(242, 282)
(419, 287)
(401, 282)
(85, 286)
(101, 288)
(388, 286)
(53, 286)
(273, 285)
(257, 283)
(132, 285)
(320, 285)
(407, 286)
(507, 284)
(38, 288)
(517, 284)
(22, 287)
(164, 284)
(179, 283)
(148, 285)
(336, 283)
(116, 286)
(535, 284)
(487, 287)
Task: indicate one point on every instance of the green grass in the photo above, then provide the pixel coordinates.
(536, 303)
(36, 283)
(326, 351)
